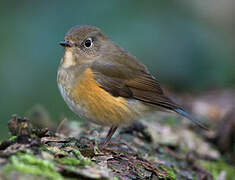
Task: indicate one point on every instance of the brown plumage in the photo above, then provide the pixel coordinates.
(103, 83)
(131, 82)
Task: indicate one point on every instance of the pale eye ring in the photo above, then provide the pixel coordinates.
(88, 43)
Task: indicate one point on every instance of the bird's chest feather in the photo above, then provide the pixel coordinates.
(75, 107)
(88, 100)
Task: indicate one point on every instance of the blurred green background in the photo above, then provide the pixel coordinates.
(188, 45)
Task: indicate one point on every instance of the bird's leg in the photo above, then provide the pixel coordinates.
(110, 134)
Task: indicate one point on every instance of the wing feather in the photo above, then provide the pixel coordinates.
(125, 81)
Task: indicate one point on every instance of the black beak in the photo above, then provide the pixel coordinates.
(65, 44)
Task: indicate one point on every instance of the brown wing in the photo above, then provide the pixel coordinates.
(131, 82)
(113, 85)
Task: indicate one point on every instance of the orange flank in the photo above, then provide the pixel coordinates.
(104, 108)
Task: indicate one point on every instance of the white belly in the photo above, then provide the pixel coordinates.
(76, 108)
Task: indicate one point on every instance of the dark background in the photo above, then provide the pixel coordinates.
(187, 45)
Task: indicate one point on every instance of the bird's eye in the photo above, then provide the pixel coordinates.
(88, 43)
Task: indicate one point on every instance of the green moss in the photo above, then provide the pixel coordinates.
(84, 161)
(171, 173)
(215, 168)
(29, 164)
(76, 159)
(69, 161)
(115, 178)
(75, 162)
(78, 154)
(12, 138)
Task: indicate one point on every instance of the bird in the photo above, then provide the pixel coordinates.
(105, 84)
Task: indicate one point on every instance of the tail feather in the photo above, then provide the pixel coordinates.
(183, 113)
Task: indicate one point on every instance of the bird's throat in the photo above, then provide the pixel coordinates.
(68, 60)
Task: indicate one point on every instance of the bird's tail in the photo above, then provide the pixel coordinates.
(183, 113)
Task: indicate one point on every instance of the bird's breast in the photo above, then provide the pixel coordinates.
(65, 81)
(100, 106)
(87, 99)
